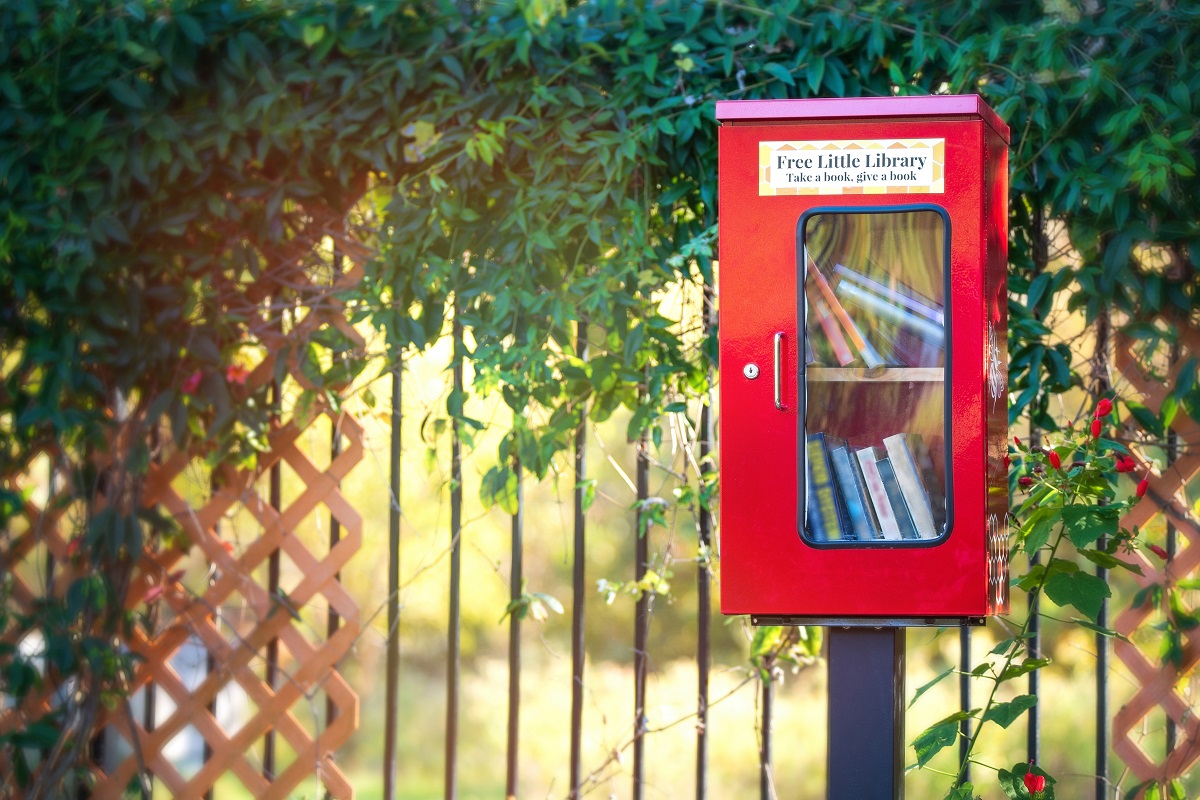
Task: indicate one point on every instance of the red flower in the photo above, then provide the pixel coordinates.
(1034, 783)
(1016, 441)
(1126, 464)
(191, 383)
(73, 547)
(1007, 461)
(1055, 461)
(1158, 551)
(1096, 428)
(1143, 485)
(236, 373)
(1025, 480)
(1103, 408)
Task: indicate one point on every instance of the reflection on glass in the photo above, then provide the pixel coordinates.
(874, 378)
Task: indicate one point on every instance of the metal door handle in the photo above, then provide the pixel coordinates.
(778, 359)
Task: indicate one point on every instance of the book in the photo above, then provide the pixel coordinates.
(934, 485)
(927, 330)
(888, 527)
(858, 507)
(901, 295)
(908, 476)
(833, 334)
(869, 357)
(823, 514)
(895, 496)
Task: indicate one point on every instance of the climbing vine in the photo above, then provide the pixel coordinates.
(171, 169)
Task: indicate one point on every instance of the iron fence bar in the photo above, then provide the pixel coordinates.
(703, 579)
(1103, 329)
(392, 711)
(964, 698)
(1034, 645)
(210, 665)
(455, 622)
(1102, 690)
(335, 527)
(275, 499)
(764, 753)
(335, 536)
(1172, 542)
(641, 620)
(514, 641)
(577, 583)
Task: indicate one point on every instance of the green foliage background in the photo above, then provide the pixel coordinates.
(521, 167)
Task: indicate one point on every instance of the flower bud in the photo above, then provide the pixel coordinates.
(1096, 428)
(1143, 485)
(1103, 408)
(1025, 480)
(1016, 441)
(1055, 460)
(1158, 551)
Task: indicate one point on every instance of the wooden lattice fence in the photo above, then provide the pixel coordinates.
(1160, 685)
(236, 646)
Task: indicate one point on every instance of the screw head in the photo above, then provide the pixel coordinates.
(750, 371)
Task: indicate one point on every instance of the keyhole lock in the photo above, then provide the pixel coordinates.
(750, 371)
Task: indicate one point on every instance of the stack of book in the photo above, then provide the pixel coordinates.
(870, 318)
(866, 494)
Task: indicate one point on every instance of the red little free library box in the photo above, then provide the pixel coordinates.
(864, 420)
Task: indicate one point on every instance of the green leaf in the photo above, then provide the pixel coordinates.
(1145, 417)
(1079, 589)
(780, 72)
(313, 34)
(1024, 668)
(765, 638)
(1109, 561)
(938, 735)
(125, 95)
(1004, 714)
(1036, 530)
(589, 493)
(1087, 523)
(191, 28)
(930, 685)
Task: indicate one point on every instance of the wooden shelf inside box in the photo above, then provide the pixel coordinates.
(816, 374)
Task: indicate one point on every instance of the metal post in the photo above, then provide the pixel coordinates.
(866, 714)
(964, 698)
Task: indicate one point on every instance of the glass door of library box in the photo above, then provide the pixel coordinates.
(862, 328)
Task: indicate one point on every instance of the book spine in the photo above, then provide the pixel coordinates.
(833, 333)
(888, 527)
(912, 301)
(909, 479)
(856, 503)
(869, 356)
(934, 486)
(929, 331)
(899, 507)
(822, 504)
